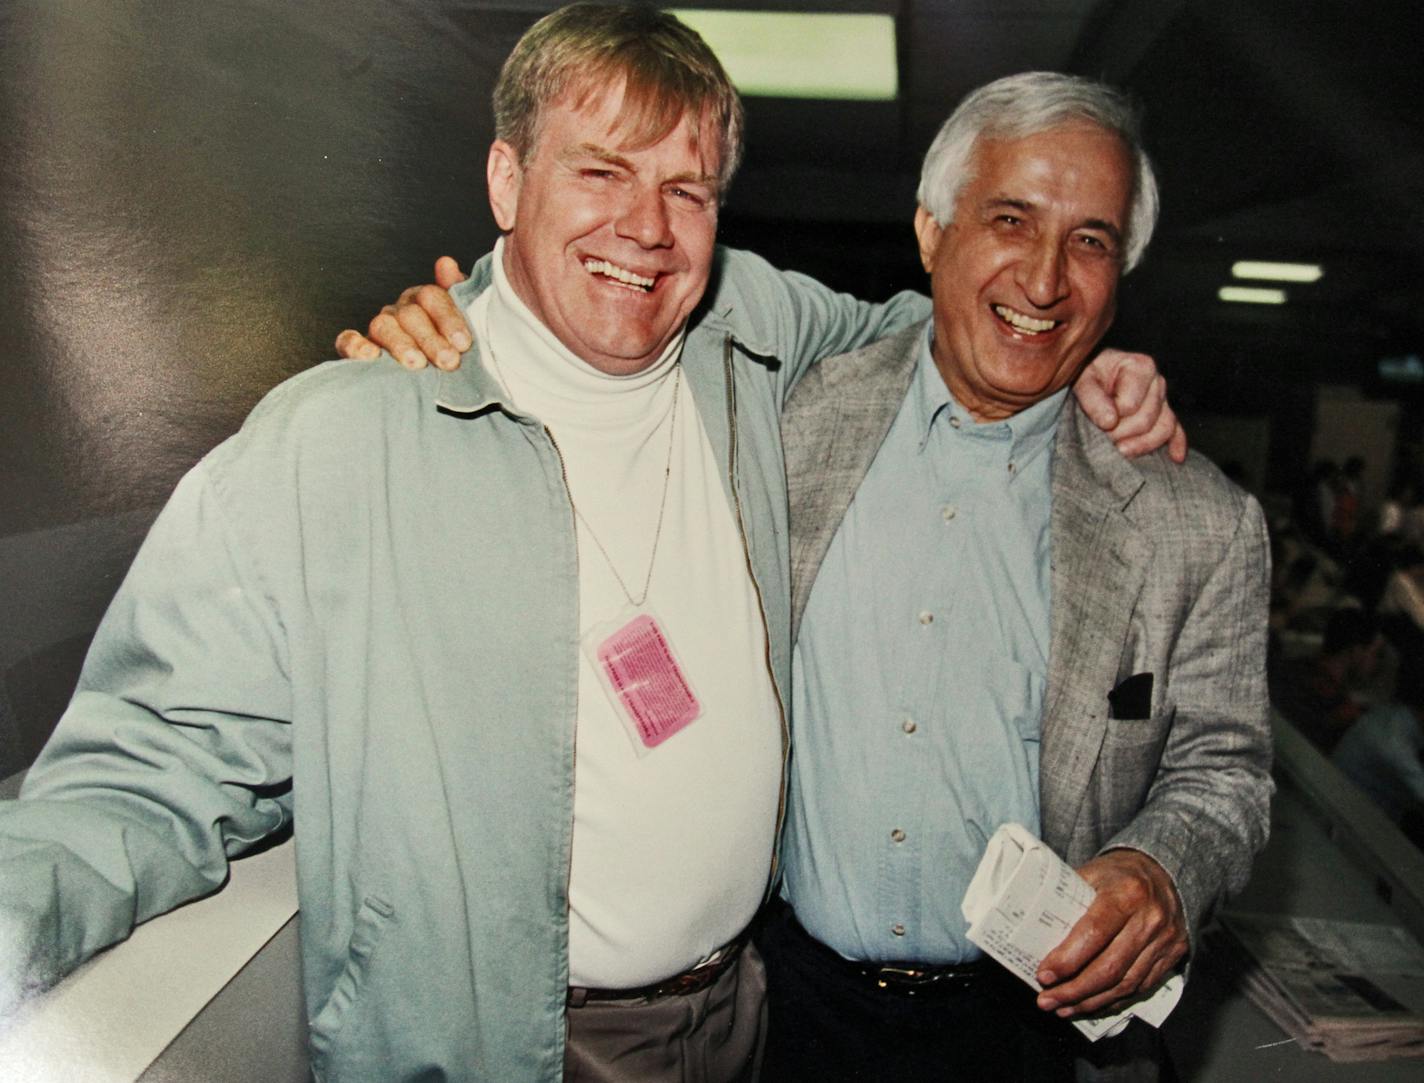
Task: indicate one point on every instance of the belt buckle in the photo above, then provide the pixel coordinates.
(689, 981)
(902, 974)
(703, 975)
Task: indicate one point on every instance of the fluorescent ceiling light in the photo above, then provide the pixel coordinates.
(786, 54)
(1252, 295)
(1408, 369)
(1276, 272)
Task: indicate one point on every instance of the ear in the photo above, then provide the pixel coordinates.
(504, 175)
(929, 232)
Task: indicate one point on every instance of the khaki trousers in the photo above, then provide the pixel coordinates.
(713, 1036)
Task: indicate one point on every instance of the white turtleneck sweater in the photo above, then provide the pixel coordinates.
(671, 846)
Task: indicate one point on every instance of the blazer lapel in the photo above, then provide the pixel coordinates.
(832, 427)
(1099, 563)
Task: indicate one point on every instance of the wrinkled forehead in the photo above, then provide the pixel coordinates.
(627, 116)
(1077, 162)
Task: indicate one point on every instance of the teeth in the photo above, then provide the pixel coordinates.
(618, 274)
(1019, 322)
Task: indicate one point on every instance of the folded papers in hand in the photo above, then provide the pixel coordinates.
(1021, 903)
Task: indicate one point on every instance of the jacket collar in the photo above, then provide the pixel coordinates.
(1100, 560)
(471, 389)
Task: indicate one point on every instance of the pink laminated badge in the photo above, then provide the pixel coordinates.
(647, 680)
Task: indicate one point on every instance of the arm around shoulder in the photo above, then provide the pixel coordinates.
(797, 319)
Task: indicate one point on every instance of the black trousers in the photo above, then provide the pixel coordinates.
(828, 1023)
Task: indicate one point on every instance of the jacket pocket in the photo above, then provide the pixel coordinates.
(371, 922)
(1128, 763)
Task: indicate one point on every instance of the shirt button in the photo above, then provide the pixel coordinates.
(898, 929)
(949, 511)
(909, 725)
(926, 617)
(897, 835)
(1011, 468)
(954, 421)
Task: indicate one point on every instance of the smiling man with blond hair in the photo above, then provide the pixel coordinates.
(535, 784)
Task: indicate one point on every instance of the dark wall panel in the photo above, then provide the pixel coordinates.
(194, 199)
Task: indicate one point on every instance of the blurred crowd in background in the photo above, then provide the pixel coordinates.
(1347, 630)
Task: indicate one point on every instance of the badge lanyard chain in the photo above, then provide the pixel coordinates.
(662, 508)
(662, 504)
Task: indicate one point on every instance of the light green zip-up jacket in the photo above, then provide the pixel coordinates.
(359, 616)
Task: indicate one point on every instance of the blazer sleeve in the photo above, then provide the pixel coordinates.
(1207, 811)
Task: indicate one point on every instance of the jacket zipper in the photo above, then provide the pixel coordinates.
(573, 758)
(761, 605)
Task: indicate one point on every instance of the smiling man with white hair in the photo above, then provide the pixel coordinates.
(999, 619)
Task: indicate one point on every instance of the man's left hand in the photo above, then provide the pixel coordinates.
(1126, 943)
(1126, 397)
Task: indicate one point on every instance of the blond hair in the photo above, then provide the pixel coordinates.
(580, 51)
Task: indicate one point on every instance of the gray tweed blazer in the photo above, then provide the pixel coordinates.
(1156, 569)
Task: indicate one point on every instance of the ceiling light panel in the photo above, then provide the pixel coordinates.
(1252, 295)
(1276, 272)
(784, 54)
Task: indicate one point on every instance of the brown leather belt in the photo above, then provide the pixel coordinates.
(688, 982)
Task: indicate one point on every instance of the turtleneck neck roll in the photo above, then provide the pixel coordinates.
(548, 380)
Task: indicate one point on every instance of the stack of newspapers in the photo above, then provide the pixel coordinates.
(1351, 991)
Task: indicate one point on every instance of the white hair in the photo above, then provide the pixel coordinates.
(1022, 105)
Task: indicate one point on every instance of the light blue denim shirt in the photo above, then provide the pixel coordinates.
(358, 616)
(918, 678)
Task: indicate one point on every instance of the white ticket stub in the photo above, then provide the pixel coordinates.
(1021, 903)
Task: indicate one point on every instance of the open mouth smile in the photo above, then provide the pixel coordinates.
(619, 276)
(1022, 323)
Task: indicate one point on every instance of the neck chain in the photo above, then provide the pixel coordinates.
(662, 506)
(662, 503)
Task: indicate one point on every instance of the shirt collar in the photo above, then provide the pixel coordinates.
(1028, 432)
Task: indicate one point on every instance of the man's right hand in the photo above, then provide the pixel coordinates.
(424, 325)
(1124, 946)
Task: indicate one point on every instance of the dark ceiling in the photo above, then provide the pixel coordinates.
(1281, 129)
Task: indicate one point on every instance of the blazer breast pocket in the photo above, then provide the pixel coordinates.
(1132, 698)
(1129, 760)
